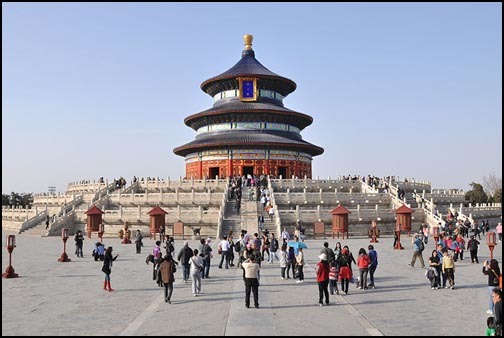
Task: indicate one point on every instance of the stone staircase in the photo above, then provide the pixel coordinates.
(249, 213)
(232, 219)
(269, 225)
(37, 230)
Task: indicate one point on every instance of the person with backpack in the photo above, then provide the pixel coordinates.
(170, 248)
(329, 253)
(417, 251)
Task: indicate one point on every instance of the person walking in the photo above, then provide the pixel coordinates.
(285, 235)
(183, 257)
(138, 241)
(333, 278)
(79, 241)
(168, 269)
(492, 270)
(271, 212)
(273, 249)
(223, 247)
(300, 262)
(322, 272)
(260, 220)
(373, 259)
(107, 268)
(363, 265)
(472, 246)
(156, 253)
(206, 255)
(417, 251)
(196, 263)
(498, 228)
(345, 272)
(47, 222)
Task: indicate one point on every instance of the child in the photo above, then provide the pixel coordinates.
(449, 268)
(490, 330)
(333, 277)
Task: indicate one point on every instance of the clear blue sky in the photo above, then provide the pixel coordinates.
(102, 89)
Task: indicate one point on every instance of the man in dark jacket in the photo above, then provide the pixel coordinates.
(183, 257)
(206, 254)
(497, 299)
(331, 257)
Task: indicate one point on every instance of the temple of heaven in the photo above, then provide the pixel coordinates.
(248, 130)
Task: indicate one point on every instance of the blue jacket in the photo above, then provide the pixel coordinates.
(373, 258)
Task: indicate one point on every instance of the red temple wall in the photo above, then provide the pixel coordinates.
(199, 169)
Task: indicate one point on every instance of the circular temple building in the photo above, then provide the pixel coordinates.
(248, 130)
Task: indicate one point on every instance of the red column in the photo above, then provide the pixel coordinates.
(230, 167)
(200, 170)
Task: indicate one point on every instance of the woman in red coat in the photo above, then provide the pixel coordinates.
(322, 271)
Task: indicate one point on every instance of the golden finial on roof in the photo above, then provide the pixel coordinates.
(247, 39)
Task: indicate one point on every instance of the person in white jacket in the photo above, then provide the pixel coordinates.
(196, 267)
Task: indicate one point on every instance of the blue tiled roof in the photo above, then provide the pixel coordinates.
(248, 138)
(237, 107)
(248, 66)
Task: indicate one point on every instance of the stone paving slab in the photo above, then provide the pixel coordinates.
(53, 298)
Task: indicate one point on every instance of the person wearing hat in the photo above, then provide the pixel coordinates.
(322, 272)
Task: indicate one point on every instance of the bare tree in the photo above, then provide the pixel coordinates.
(492, 183)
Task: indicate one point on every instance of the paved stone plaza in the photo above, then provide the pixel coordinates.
(53, 298)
